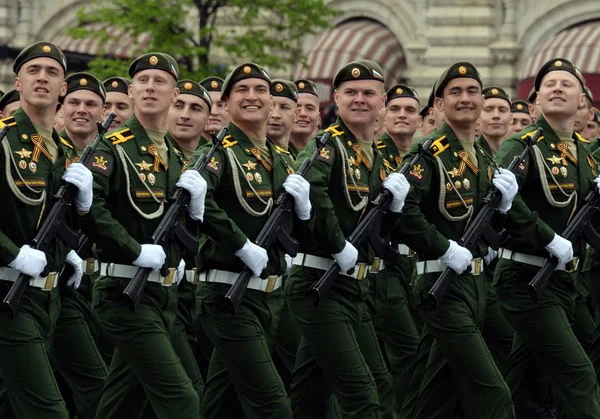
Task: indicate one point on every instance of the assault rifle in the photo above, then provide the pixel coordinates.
(367, 231)
(480, 225)
(170, 227)
(272, 231)
(54, 225)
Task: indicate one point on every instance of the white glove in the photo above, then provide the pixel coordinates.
(346, 258)
(397, 184)
(288, 264)
(180, 274)
(255, 257)
(562, 249)
(29, 261)
(80, 176)
(597, 181)
(194, 183)
(492, 254)
(506, 182)
(76, 262)
(457, 258)
(152, 256)
(299, 188)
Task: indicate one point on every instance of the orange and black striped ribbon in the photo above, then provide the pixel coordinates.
(257, 153)
(38, 142)
(565, 153)
(464, 156)
(360, 156)
(157, 159)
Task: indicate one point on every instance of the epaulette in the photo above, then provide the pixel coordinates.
(65, 143)
(580, 138)
(335, 132)
(530, 134)
(120, 137)
(380, 144)
(10, 121)
(226, 143)
(281, 150)
(439, 145)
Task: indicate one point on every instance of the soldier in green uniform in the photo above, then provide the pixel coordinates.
(218, 117)
(308, 119)
(32, 159)
(281, 118)
(592, 131)
(118, 100)
(77, 356)
(448, 187)
(553, 182)
(494, 125)
(135, 169)
(534, 105)
(9, 103)
(520, 117)
(428, 125)
(339, 351)
(245, 176)
(391, 288)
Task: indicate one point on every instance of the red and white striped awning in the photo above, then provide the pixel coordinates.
(354, 40)
(123, 46)
(579, 44)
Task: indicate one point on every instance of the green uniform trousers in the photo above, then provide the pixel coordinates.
(394, 325)
(25, 347)
(460, 365)
(546, 339)
(144, 354)
(287, 342)
(409, 404)
(241, 360)
(338, 353)
(75, 351)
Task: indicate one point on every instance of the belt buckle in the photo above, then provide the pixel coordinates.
(167, 281)
(271, 282)
(89, 266)
(477, 266)
(361, 273)
(195, 276)
(376, 266)
(49, 284)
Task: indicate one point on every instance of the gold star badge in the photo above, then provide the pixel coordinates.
(250, 165)
(143, 165)
(24, 154)
(153, 60)
(279, 87)
(454, 172)
(554, 159)
(462, 70)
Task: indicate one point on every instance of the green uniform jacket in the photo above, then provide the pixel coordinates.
(230, 188)
(533, 221)
(594, 144)
(19, 222)
(332, 186)
(482, 142)
(113, 223)
(423, 226)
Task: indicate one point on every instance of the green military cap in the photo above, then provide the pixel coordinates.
(37, 50)
(9, 97)
(155, 61)
(190, 87)
(401, 90)
(212, 84)
(456, 71)
(557, 64)
(306, 86)
(1, 93)
(532, 95)
(588, 93)
(493, 92)
(284, 88)
(358, 70)
(425, 111)
(117, 84)
(242, 72)
(519, 106)
(84, 81)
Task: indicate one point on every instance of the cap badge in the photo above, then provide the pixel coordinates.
(301, 85)
(462, 70)
(247, 69)
(153, 60)
(519, 107)
(355, 73)
(278, 88)
(495, 92)
(558, 63)
(187, 86)
(83, 82)
(399, 91)
(214, 84)
(46, 49)
(115, 84)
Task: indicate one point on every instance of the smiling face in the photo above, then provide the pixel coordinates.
(40, 82)
(560, 94)
(281, 118)
(187, 117)
(402, 116)
(307, 115)
(81, 110)
(153, 91)
(461, 101)
(121, 105)
(360, 101)
(249, 101)
(495, 118)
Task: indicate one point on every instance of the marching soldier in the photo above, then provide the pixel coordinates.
(218, 117)
(308, 119)
(33, 161)
(244, 176)
(520, 117)
(118, 100)
(281, 118)
(339, 349)
(447, 189)
(77, 356)
(552, 184)
(9, 103)
(135, 169)
(592, 131)
(534, 105)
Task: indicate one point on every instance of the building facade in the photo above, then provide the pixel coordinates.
(414, 41)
